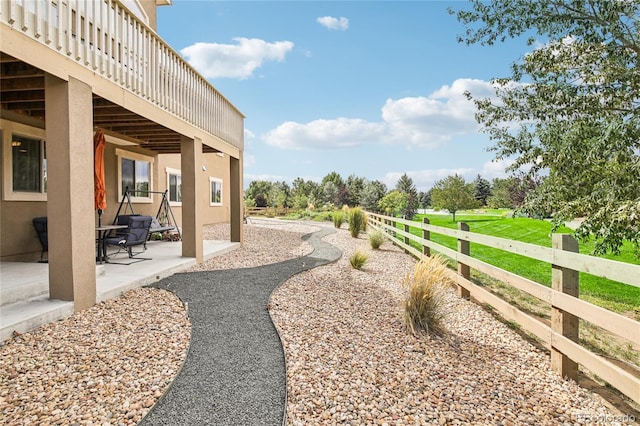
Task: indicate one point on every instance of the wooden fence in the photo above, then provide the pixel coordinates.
(566, 308)
(266, 211)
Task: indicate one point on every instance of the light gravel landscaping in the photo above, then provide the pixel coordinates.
(349, 358)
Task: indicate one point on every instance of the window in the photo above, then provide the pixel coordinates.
(29, 165)
(216, 191)
(24, 162)
(174, 186)
(134, 174)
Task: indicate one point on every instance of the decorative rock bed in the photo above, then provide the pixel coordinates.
(349, 358)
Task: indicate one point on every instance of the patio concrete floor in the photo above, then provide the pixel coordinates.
(24, 286)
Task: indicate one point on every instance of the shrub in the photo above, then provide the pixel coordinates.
(424, 309)
(356, 218)
(365, 221)
(338, 218)
(358, 259)
(376, 238)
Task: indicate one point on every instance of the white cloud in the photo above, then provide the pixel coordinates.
(322, 134)
(412, 121)
(339, 24)
(239, 60)
(424, 179)
(495, 169)
(248, 158)
(249, 135)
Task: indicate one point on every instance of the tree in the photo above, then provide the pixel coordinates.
(570, 108)
(334, 189)
(500, 197)
(393, 203)
(355, 185)
(481, 190)
(305, 192)
(425, 199)
(258, 191)
(405, 185)
(279, 196)
(371, 195)
(453, 193)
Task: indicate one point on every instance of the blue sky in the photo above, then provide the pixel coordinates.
(371, 88)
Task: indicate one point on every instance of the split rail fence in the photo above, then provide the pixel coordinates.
(266, 211)
(566, 308)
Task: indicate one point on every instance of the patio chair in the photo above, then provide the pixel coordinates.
(40, 225)
(135, 234)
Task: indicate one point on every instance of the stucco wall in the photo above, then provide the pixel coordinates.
(215, 166)
(18, 239)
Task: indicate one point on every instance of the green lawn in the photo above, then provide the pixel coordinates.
(606, 293)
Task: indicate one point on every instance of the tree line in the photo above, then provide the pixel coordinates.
(452, 193)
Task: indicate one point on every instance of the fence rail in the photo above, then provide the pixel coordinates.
(566, 308)
(266, 211)
(104, 37)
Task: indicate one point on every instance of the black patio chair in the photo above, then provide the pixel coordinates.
(135, 234)
(40, 225)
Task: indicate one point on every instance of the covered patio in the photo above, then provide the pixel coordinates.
(24, 286)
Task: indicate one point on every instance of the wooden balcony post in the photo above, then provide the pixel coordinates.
(463, 270)
(566, 281)
(426, 251)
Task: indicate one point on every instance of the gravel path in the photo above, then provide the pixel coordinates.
(349, 359)
(235, 371)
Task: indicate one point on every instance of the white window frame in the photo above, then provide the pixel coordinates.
(213, 180)
(170, 172)
(120, 154)
(9, 129)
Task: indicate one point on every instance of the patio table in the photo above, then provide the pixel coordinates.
(103, 231)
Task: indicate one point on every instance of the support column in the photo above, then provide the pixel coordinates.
(236, 199)
(193, 196)
(69, 132)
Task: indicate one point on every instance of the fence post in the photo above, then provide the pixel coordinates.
(426, 251)
(463, 270)
(407, 241)
(566, 281)
(393, 232)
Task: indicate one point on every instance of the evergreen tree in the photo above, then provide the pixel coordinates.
(406, 186)
(371, 195)
(482, 190)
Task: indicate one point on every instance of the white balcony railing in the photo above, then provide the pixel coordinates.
(106, 38)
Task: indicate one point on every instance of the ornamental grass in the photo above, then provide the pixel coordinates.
(376, 238)
(424, 306)
(358, 259)
(356, 221)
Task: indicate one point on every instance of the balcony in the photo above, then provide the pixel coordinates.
(110, 42)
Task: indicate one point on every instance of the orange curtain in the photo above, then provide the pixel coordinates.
(100, 194)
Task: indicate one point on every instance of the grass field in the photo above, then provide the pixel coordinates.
(609, 294)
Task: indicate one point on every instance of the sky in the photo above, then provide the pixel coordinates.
(371, 88)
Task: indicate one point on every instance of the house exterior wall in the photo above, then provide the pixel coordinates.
(215, 166)
(18, 239)
(19, 242)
